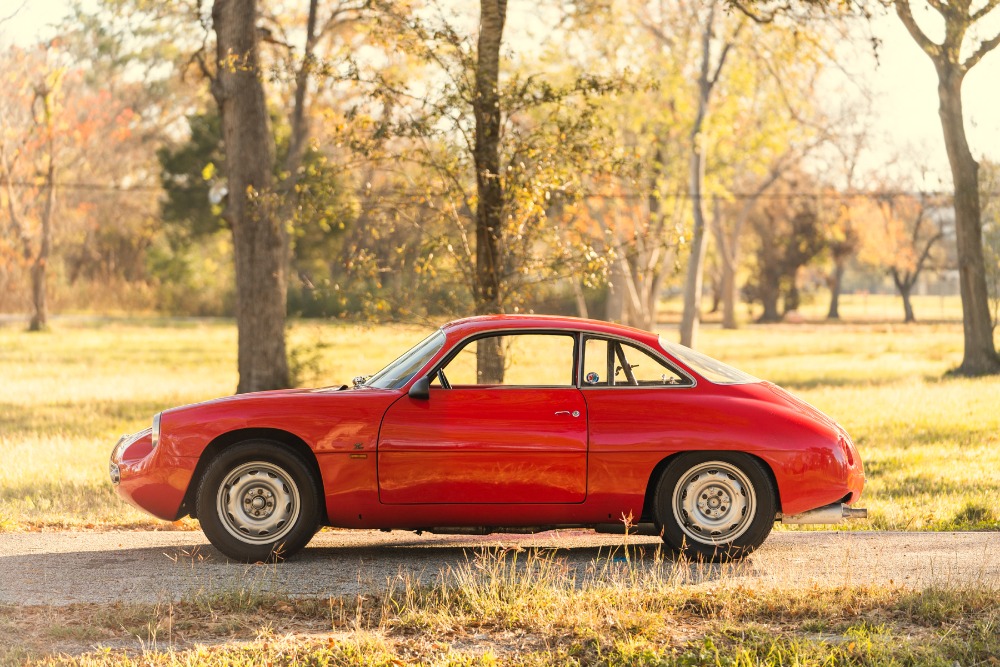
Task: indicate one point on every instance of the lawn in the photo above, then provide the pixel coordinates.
(931, 444)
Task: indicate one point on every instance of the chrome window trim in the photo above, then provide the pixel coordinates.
(579, 336)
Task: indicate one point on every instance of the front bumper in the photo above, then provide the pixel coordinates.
(150, 479)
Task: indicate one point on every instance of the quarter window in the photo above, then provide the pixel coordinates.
(612, 363)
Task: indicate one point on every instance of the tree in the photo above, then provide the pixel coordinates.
(901, 233)
(843, 238)
(494, 153)
(43, 124)
(789, 231)
(489, 186)
(53, 127)
(259, 240)
(712, 61)
(952, 61)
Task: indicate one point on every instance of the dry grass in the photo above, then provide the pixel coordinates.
(931, 444)
(526, 609)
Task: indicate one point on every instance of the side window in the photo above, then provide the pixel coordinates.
(610, 363)
(521, 360)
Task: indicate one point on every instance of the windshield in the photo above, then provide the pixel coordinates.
(399, 372)
(707, 367)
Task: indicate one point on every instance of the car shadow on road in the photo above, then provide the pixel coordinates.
(156, 574)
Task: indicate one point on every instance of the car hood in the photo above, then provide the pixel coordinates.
(280, 394)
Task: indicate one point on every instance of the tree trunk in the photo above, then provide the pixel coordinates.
(707, 79)
(908, 316)
(716, 290)
(693, 280)
(40, 317)
(770, 290)
(729, 295)
(486, 107)
(904, 285)
(792, 297)
(580, 298)
(980, 357)
(259, 239)
(833, 313)
(614, 306)
(300, 121)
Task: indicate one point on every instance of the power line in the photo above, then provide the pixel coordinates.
(833, 195)
(102, 187)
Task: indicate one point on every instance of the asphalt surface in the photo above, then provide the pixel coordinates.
(58, 568)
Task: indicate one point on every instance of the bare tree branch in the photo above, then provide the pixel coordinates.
(906, 16)
(984, 10)
(984, 48)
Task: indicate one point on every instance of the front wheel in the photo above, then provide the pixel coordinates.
(258, 501)
(714, 506)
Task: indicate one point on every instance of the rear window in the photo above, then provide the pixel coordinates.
(711, 369)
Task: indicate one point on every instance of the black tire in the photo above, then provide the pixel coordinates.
(258, 501)
(714, 506)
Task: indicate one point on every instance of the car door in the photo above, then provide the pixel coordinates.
(493, 433)
(638, 402)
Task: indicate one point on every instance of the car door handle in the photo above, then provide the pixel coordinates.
(575, 413)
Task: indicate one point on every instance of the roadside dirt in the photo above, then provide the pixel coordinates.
(145, 566)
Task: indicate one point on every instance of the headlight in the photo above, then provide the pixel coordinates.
(156, 429)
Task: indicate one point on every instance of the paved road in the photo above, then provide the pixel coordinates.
(62, 568)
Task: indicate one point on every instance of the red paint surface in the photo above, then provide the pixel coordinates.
(501, 456)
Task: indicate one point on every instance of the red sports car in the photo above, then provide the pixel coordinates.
(502, 424)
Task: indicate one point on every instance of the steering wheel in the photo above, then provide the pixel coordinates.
(443, 379)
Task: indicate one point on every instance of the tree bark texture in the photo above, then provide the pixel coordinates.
(259, 239)
(836, 280)
(489, 187)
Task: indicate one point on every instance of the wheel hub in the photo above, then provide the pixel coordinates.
(714, 503)
(258, 502)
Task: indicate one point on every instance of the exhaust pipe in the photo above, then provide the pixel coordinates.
(835, 513)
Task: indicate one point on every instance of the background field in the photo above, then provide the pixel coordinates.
(931, 444)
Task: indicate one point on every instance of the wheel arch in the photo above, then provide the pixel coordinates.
(221, 442)
(659, 468)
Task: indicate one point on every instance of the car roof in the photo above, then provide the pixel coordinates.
(470, 325)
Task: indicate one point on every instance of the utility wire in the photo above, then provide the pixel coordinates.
(873, 194)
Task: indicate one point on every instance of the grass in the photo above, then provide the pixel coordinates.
(510, 608)
(931, 444)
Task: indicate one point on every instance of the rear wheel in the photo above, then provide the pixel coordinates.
(258, 501)
(715, 505)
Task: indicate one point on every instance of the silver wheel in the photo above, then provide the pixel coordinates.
(714, 503)
(258, 502)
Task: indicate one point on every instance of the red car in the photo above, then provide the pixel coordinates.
(502, 424)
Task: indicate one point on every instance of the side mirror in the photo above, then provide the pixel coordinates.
(421, 389)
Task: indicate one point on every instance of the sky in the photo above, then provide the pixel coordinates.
(904, 84)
